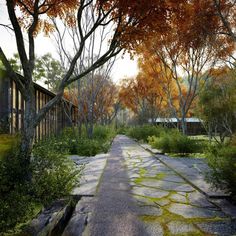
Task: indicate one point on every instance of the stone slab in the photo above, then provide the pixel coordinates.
(177, 227)
(153, 228)
(227, 207)
(149, 192)
(91, 175)
(168, 186)
(221, 228)
(192, 175)
(153, 150)
(188, 211)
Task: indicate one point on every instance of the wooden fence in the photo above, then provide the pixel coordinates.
(12, 110)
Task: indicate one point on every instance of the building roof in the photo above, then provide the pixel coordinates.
(175, 120)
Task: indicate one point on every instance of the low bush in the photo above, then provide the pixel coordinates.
(52, 176)
(91, 147)
(143, 132)
(15, 202)
(222, 162)
(103, 132)
(122, 130)
(163, 143)
(68, 140)
(71, 143)
(174, 142)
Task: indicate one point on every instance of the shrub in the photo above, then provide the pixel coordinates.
(69, 140)
(233, 140)
(91, 147)
(122, 130)
(222, 161)
(15, 202)
(174, 142)
(183, 144)
(103, 132)
(54, 175)
(143, 132)
(6, 142)
(162, 142)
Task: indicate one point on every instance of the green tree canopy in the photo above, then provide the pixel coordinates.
(47, 69)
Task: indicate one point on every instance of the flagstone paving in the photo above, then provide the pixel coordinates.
(91, 173)
(139, 195)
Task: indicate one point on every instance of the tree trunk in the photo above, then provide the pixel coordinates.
(183, 125)
(90, 130)
(27, 135)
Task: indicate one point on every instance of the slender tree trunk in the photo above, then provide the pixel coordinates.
(183, 125)
(27, 134)
(210, 132)
(90, 130)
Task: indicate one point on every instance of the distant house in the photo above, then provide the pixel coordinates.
(194, 125)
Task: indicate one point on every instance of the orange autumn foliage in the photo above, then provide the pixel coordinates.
(102, 94)
(148, 92)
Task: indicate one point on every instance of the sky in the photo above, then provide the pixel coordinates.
(123, 67)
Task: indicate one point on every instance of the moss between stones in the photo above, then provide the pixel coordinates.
(142, 171)
(160, 176)
(168, 216)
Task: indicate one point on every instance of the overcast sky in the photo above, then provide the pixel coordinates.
(122, 68)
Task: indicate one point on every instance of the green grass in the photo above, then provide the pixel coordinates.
(6, 142)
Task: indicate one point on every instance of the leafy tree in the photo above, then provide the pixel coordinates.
(15, 63)
(50, 69)
(187, 51)
(143, 96)
(131, 21)
(217, 103)
(46, 68)
(98, 103)
(128, 19)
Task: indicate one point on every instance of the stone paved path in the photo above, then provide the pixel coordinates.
(139, 195)
(91, 173)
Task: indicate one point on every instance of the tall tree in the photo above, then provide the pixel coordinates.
(217, 103)
(188, 50)
(143, 95)
(28, 18)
